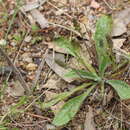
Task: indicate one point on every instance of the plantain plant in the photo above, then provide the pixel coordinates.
(102, 76)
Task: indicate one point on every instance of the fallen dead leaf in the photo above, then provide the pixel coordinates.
(51, 83)
(118, 43)
(32, 5)
(89, 122)
(39, 18)
(58, 69)
(54, 82)
(121, 20)
(15, 89)
(118, 27)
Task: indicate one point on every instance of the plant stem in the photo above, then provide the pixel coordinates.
(102, 88)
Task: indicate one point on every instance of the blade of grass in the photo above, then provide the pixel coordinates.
(11, 22)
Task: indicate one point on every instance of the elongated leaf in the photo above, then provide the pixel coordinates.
(62, 96)
(3, 128)
(121, 87)
(104, 63)
(70, 108)
(75, 50)
(103, 27)
(82, 74)
(67, 44)
(56, 99)
(103, 30)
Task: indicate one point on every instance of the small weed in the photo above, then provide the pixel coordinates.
(34, 27)
(2, 90)
(36, 39)
(95, 76)
(3, 128)
(14, 110)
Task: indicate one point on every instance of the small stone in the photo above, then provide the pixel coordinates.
(13, 44)
(28, 39)
(15, 89)
(26, 57)
(31, 66)
(95, 4)
(3, 42)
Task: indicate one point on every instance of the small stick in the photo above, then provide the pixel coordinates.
(16, 71)
(22, 43)
(39, 69)
(67, 28)
(108, 4)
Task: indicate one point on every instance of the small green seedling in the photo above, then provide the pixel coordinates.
(14, 110)
(17, 37)
(3, 128)
(100, 76)
(34, 27)
(36, 39)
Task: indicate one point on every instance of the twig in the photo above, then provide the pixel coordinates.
(16, 71)
(22, 43)
(59, 9)
(39, 69)
(11, 22)
(46, 77)
(121, 116)
(27, 124)
(32, 103)
(127, 122)
(38, 116)
(107, 4)
(67, 28)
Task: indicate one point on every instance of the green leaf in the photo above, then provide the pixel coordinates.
(121, 87)
(17, 37)
(75, 50)
(70, 108)
(14, 109)
(34, 27)
(62, 96)
(83, 74)
(56, 99)
(103, 30)
(3, 128)
(71, 47)
(103, 27)
(104, 63)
